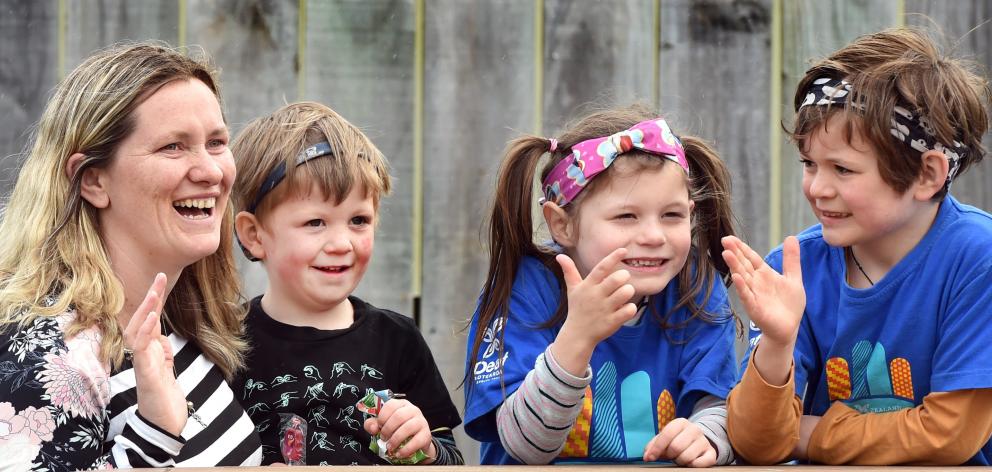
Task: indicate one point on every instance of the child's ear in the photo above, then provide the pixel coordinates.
(559, 224)
(246, 229)
(92, 187)
(933, 175)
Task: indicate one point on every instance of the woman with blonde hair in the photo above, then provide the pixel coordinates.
(119, 300)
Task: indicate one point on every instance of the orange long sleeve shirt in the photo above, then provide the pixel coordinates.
(948, 428)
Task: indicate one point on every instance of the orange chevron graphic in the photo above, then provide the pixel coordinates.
(902, 378)
(838, 379)
(577, 442)
(666, 409)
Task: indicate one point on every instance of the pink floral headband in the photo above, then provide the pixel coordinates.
(592, 156)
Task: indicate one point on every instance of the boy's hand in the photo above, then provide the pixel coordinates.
(683, 443)
(597, 307)
(398, 421)
(775, 302)
(806, 426)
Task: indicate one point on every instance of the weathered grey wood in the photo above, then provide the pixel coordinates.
(478, 93)
(811, 30)
(28, 72)
(359, 61)
(96, 24)
(956, 20)
(597, 54)
(715, 80)
(254, 43)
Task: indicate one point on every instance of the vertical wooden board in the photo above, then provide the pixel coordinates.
(254, 43)
(96, 24)
(28, 72)
(478, 89)
(956, 21)
(359, 61)
(812, 29)
(595, 53)
(715, 81)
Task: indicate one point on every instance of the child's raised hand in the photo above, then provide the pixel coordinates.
(683, 443)
(599, 304)
(775, 302)
(399, 420)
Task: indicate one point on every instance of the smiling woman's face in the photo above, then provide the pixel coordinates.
(168, 183)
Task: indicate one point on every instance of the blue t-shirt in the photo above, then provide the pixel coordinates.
(925, 327)
(642, 375)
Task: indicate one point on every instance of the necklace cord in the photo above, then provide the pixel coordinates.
(862, 269)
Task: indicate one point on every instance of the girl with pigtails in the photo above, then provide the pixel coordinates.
(614, 341)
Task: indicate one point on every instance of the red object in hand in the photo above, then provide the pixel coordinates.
(292, 443)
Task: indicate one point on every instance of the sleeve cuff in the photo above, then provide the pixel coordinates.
(149, 433)
(561, 374)
(818, 450)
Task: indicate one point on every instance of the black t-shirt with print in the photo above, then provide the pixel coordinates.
(319, 375)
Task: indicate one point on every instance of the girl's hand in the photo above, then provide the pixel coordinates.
(160, 400)
(399, 421)
(775, 302)
(599, 304)
(683, 443)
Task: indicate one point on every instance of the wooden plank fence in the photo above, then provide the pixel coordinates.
(441, 85)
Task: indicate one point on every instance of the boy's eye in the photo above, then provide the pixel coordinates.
(843, 170)
(360, 220)
(626, 216)
(315, 222)
(806, 163)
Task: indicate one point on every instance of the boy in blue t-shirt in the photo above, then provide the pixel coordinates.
(885, 317)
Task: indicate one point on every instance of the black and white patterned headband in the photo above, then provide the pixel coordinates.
(915, 132)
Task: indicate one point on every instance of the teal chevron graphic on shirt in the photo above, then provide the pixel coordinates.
(637, 411)
(878, 372)
(859, 369)
(605, 424)
(877, 385)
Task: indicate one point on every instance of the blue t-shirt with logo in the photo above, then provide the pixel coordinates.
(925, 327)
(643, 376)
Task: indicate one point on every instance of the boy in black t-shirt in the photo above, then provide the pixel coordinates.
(307, 196)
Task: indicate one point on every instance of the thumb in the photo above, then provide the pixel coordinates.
(568, 270)
(791, 267)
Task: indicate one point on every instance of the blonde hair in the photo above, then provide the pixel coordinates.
(51, 255)
(277, 139)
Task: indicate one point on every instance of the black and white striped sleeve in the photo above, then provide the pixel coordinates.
(142, 444)
(534, 421)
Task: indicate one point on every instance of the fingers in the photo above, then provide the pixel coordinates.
(692, 448)
(791, 266)
(147, 333)
(371, 425)
(392, 415)
(654, 449)
(153, 302)
(568, 270)
(663, 440)
(401, 421)
(708, 459)
(410, 437)
(607, 266)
